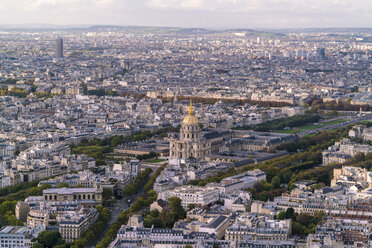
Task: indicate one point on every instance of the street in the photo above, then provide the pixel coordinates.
(338, 125)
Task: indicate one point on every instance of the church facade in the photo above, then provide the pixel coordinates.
(189, 143)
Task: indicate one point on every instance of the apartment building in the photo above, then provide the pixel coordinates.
(190, 194)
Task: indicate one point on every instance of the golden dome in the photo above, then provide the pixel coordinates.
(190, 119)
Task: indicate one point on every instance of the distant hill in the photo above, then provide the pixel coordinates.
(149, 29)
(37, 26)
(325, 30)
(174, 30)
(105, 28)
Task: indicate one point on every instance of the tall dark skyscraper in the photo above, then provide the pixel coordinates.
(59, 48)
(321, 52)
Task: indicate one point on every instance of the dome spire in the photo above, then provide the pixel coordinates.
(190, 119)
(191, 109)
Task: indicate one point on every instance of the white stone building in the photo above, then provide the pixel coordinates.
(192, 195)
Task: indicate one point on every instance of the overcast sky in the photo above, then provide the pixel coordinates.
(191, 13)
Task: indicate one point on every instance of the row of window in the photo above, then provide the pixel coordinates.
(188, 136)
(11, 241)
(76, 197)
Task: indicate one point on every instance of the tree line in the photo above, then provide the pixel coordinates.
(302, 224)
(142, 202)
(279, 124)
(319, 105)
(167, 217)
(138, 183)
(206, 100)
(99, 148)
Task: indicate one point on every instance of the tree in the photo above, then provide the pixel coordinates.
(289, 213)
(89, 235)
(116, 141)
(176, 207)
(191, 206)
(139, 137)
(12, 220)
(304, 219)
(63, 185)
(271, 172)
(258, 186)
(7, 206)
(106, 195)
(138, 204)
(281, 215)
(152, 219)
(50, 238)
(165, 218)
(37, 245)
(275, 182)
(129, 190)
(10, 81)
(360, 157)
(105, 215)
(85, 88)
(298, 229)
(33, 88)
(286, 176)
(318, 215)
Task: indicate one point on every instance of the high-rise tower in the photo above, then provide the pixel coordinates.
(320, 51)
(59, 48)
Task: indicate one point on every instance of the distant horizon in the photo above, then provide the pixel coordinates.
(64, 26)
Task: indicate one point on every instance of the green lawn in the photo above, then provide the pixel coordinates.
(310, 126)
(363, 123)
(333, 122)
(154, 161)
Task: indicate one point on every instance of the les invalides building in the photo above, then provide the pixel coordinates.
(189, 143)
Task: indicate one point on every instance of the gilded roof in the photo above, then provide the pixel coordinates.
(190, 119)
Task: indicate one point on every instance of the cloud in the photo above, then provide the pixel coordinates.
(35, 4)
(67, 4)
(191, 13)
(176, 4)
(103, 2)
(269, 13)
(208, 5)
(246, 6)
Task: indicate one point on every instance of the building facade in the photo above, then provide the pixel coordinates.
(15, 236)
(251, 227)
(165, 238)
(73, 225)
(84, 196)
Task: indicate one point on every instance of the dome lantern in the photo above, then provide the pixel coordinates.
(190, 119)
